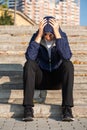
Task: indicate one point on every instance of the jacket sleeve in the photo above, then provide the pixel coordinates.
(32, 50)
(63, 46)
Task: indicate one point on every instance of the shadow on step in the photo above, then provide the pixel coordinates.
(11, 76)
(10, 81)
(40, 111)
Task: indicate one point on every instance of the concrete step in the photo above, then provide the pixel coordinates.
(13, 43)
(5, 68)
(52, 101)
(19, 85)
(26, 38)
(11, 67)
(78, 47)
(54, 94)
(19, 72)
(10, 54)
(40, 110)
(12, 59)
(17, 30)
(19, 67)
(77, 39)
(12, 74)
(17, 79)
(14, 39)
(13, 47)
(48, 97)
(19, 58)
(80, 58)
(47, 103)
(20, 50)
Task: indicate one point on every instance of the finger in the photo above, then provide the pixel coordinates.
(56, 23)
(51, 24)
(44, 20)
(44, 25)
(52, 20)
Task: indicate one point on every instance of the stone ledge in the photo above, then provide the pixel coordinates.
(40, 110)
(52, 94)
(52, 97)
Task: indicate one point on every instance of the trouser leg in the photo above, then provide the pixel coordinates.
(67, 76)
(30, 71)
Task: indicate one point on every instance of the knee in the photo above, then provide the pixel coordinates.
(68, 65)
(27, 64)
(30, 64)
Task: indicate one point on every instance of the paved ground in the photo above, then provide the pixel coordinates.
(42, 124)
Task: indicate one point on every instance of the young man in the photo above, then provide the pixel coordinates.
(48, 64)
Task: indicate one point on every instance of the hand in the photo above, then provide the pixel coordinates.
(40, 33)
(41, 27)
(54, 23)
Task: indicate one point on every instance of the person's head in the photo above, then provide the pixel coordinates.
(48, 36)
(48, 32)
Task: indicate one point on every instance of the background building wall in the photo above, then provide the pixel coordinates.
(66, 11)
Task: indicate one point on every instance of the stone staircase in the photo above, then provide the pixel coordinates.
(13, 43)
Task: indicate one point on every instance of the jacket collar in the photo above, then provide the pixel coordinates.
(43, 42)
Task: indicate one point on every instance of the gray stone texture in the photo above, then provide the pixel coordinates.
(13, 43)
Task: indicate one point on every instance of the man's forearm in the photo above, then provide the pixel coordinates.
(38, 39)
(57, 35)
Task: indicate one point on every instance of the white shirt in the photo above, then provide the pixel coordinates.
(49, 45)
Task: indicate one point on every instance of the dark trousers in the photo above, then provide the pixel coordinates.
(36, 78)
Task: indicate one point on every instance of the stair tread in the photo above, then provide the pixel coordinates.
(42, 96)
(13, 43)
(40, 110)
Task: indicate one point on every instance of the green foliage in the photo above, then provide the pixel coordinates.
(4, 6)
(6, 18)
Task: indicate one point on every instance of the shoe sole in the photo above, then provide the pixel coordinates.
(28, 119)
(68, 119)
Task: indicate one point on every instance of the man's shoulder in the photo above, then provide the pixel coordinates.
(62, 32)
(34, 36)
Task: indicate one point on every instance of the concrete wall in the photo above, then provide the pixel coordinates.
(21, 19)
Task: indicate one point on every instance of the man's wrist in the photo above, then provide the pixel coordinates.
(57, 35)
(38, 39)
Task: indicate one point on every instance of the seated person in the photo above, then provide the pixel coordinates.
(48, 63)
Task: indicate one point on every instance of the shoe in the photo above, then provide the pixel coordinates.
(67, 114)
(28, 114)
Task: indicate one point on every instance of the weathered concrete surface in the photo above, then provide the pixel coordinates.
(42, 124)
(13, 43)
